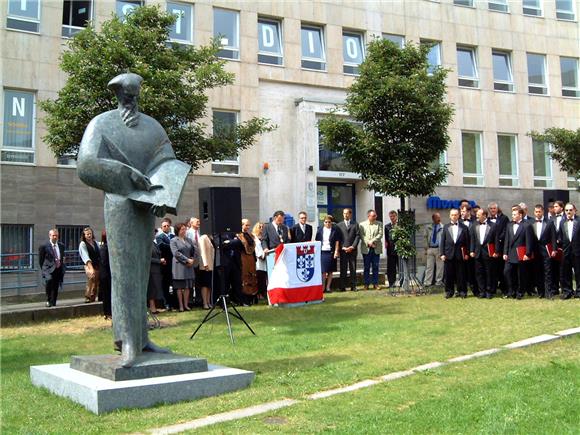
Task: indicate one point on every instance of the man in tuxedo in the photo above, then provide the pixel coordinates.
(545, 249)
(556, 261)
(51, 260)
(518, 249)
(468, 219)
(301, 232)
(275, 232)
(350, 238)
(371, 235)
(392, 257)
(483, 243)
(570, 240)
(432, 241)
(500, 220)
(453, 250)
(163, 239)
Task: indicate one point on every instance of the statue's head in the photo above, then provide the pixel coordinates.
(127, 87)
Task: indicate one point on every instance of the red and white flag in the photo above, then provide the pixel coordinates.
(297, 274)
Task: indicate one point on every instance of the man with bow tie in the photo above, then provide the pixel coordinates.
(500, 221)
(569, 236)
(545, 249)
(51, 261)
(483, 240)
(468, 220)
(518, 249)
(453, 250)
(556, 261)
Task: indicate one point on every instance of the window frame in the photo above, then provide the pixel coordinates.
(575, 90)
(399, 42)
(226, 162)
(461, 3)
(191, 28)
(433, 43)
(479, 177)
(548, 179)
(235, 50)
(571, 13)
(268, 54)
(137, 3)
(25, 259)
(509, 84)
(514, 177)
(354, 67)
(322, 60)
(532, 85)
(13, 149)
(497, 4)
(19, 18)
(474, 63)
(73, 30)
(538, 8)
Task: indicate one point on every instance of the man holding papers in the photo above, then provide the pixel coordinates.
(483, 243)
(518, 248)
(545, 243)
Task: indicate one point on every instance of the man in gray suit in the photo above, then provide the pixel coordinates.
(350, 238)
(275, 232)
(51, 261)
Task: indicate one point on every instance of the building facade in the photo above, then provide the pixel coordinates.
(513, 68)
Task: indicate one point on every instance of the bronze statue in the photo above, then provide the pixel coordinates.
(127, 154)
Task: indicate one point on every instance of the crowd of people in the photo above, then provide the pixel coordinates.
(479, 249)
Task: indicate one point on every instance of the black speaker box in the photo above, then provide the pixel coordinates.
(220, 209)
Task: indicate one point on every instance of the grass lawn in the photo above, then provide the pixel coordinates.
(350, 337)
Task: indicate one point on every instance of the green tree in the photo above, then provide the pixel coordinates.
(398, 105)
(565, 147)
(176, 78)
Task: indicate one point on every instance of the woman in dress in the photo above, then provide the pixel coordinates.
(183, 262)
(204, 278)
(329, 235)
(261, 266)
(90, 255)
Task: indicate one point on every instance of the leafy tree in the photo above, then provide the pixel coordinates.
(398, 105)
(176, 78)
(565, 147)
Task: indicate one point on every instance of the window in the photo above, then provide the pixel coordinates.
(532, 7)
(352, 52)
(573, 183)
(125, 7)
(569, 74)
(441, 160)
(313, 56)
(542, 164)
(537, 74)
(270, 42)
(467, 67)
(330, 160)
(75, 16)
(502, 71)
(23, 15)
(508, 160)
(70, 237)
(226, 26)
(67, 160)
(472, 159)
(223, 124)
(565, 10)
(19, 123)
(399, 40)
(16, 243)
(468, 3)
(498, 5)
(182, 30)
(434, 55)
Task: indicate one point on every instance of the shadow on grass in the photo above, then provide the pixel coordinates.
(297, 364)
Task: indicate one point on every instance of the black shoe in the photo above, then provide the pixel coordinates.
(565, 296)
(519, 297)
(489, 295)
(342, 289)
(448, 295)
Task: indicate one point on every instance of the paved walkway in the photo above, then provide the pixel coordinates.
(272, 406)
(14, 314)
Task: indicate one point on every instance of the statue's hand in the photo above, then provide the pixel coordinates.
(159, 210)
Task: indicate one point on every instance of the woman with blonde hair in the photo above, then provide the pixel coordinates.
(261, 266)
(91, 257)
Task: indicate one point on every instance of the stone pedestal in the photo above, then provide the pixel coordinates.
(156, 378)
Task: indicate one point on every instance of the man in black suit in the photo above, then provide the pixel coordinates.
(518, 248)
(301, 232)
(556, 261)
(467, 219)
(483, 241)
(350, 238)
(570, 240)
(500, 220)
(545, 249)
(162, 239)
(275, 232)
(392, 257)
(51, 260)
(454, 249)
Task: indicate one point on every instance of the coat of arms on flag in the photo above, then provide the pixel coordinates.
(305, 262)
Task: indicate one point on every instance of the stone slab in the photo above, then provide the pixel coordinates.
(101, 395)
(533, 340)
(349, 388)
(397, 375)
(474, 355)
(429, 366)
(568, 332)
(147, 365)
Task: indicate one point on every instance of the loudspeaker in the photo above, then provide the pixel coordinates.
(220, 209)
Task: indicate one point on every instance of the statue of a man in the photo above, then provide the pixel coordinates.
(121, 152)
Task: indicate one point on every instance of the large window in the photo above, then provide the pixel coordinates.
(399, 40)
(569, 74)
(507, 153)
(223, 124)
(182, 30)
(472, 158)
(313, 55)
(23, 15)
(532, 7)
(330, 160)
(498, 5)
(542, 164)
(502, 71)
(434, 55)
(270, 42)
(565, 10)
(467, 67)
(18, 128)
(125, 7)
(537, 83)
(75, 16)
(352, 52)
(16, 243)
(226, 27)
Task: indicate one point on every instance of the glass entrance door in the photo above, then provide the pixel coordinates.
(332, 198)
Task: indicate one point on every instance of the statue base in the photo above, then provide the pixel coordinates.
(101, 394)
